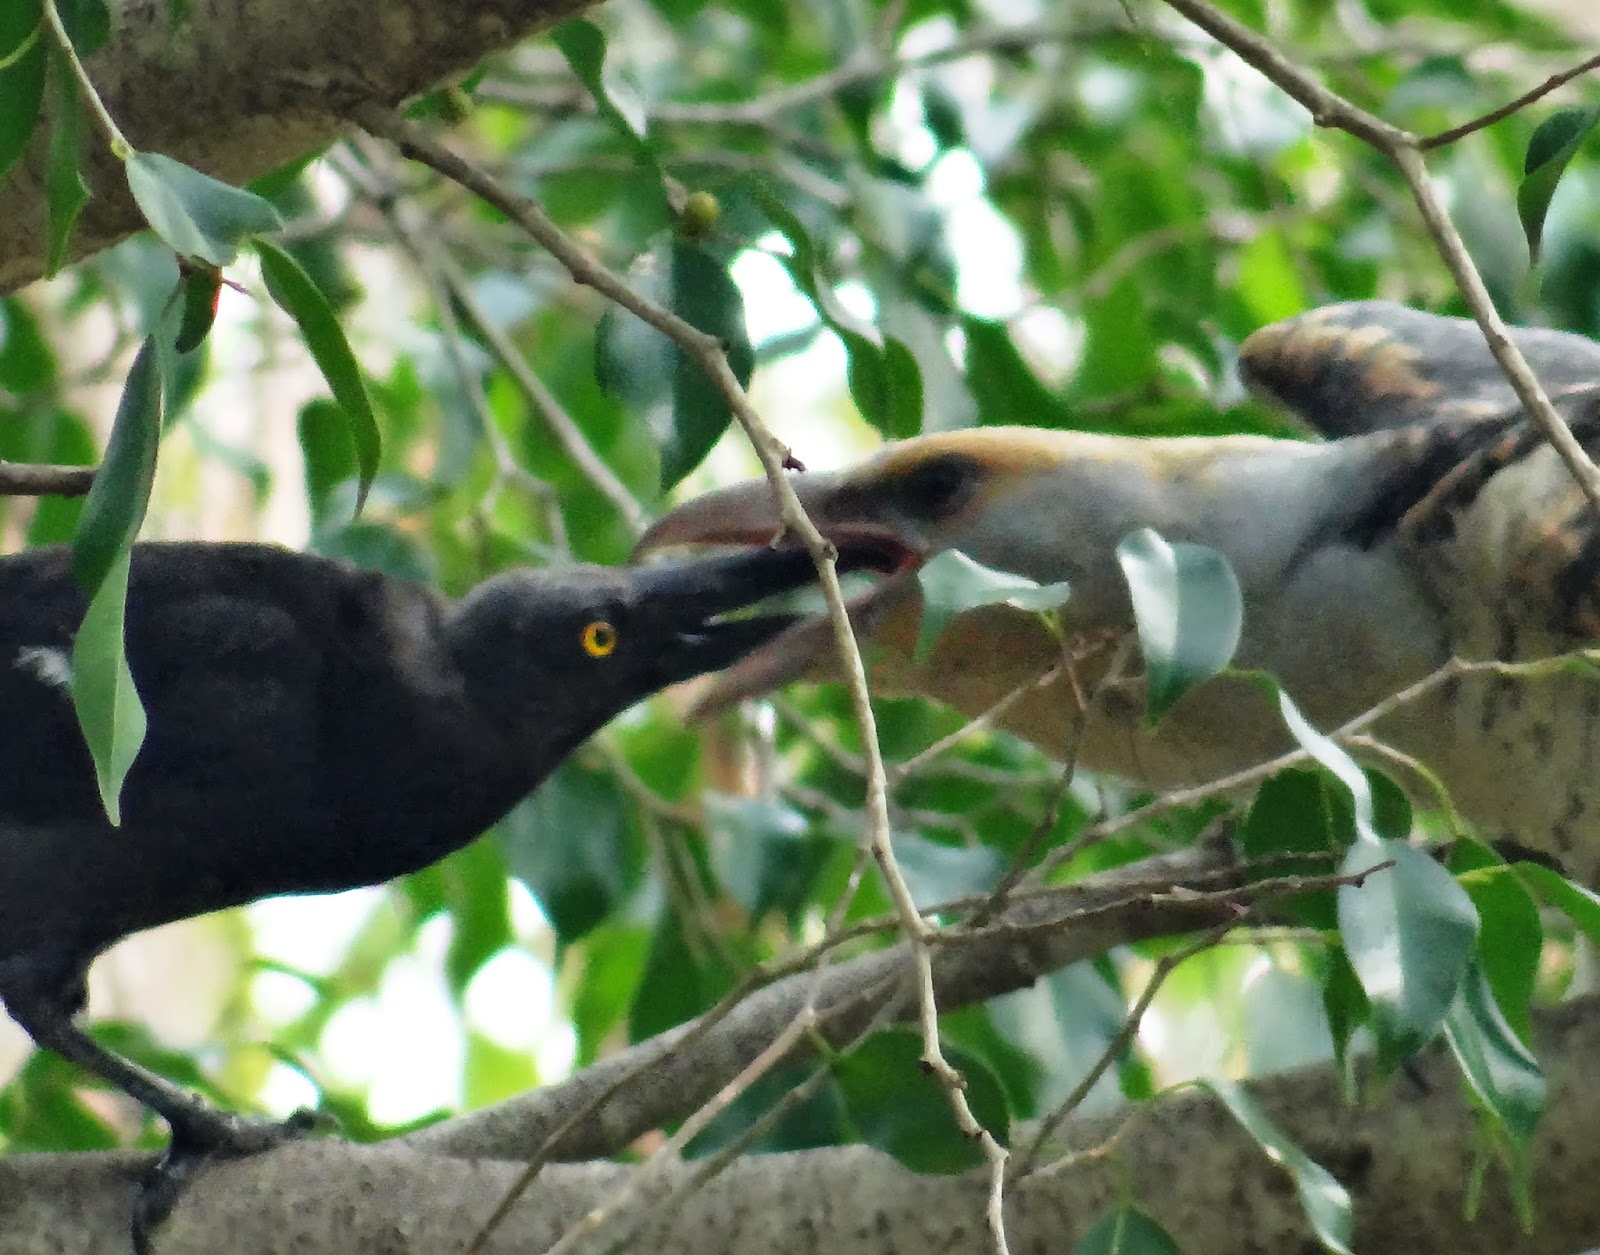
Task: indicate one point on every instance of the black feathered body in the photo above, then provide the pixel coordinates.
(307, 732)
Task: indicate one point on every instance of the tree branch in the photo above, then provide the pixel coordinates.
(1405, 151)
(35, 479)
(1405, 1161)
(229, 90)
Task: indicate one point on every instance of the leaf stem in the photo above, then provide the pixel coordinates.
(120, 147)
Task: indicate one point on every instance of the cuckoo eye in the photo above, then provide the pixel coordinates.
(599, 639)
(941, 486)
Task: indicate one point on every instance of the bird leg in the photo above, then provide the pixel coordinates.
(200, 1132)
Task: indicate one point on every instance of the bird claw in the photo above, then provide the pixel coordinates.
(202, 1137)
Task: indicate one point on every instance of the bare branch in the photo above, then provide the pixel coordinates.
(1506, 110)
(1405, 150)
(34, 479)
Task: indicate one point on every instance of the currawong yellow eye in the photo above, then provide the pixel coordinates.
(599, 639)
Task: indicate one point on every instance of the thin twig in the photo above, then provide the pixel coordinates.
(710, 354)
(1173, 799)
(1405, 150)
(1506, 110)
(1120, 1041)
(560, 423)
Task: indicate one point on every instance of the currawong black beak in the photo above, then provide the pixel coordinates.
(683, 601)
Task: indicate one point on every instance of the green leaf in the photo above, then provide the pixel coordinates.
(1295, 812)
(329, 454)
(755, 842)
(1580, 905)
(480, 911)
(1410, 931)
(1003, 385)
(303, 301)
(901, 413)
(638, 366)
(1502, 1071)
(88, 24)
(65, 189)
(194, 214)
(571, 842)
(816, 1122)
(1510, 936)
(1189, 610)
(1126, 1231)
(1551, 148)
(108, 706)
(953, 583)
(584, 47)
(884, 379)
(116, 503)
(1326, 1203)
(613, 957)
(897, 1106)
(1334, 759)
(22, 62)
(679, 980)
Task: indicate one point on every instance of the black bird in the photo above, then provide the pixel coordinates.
(312, 727)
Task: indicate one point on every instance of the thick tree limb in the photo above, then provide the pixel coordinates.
(239, 87)
(1406, 1160)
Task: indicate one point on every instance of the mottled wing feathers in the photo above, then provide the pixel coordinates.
(1368, 366)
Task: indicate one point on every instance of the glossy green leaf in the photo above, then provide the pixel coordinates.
(639, 367)
(1296, 812)
(109, 710)
(680, 980)
(194, 214)
(1510, 935)
(571, 843)
(23, 57)
(329, 453)
(480, 911)
(897, 1106)
(1189, 611)
(613, 960)
(1344, 768)
(1006, 389)
(301, 299)
(116, 503)
(1580, 905)
(1502, 1071)
(1126, 1231)
(107, 705)
(584, 46)
(953, 583)
(1326, 1203)
(884, 379)
(1410, 931)
(756, 843)
(66, 192)
(88, 24)
(902, 379)
(818, 1121)
(1551, 148)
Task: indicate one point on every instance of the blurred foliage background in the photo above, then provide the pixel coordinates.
(1002, 212)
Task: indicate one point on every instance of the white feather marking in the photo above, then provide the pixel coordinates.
(47, 663)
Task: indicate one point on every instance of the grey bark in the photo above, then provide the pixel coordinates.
(1406, 1158)
(240, 87)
